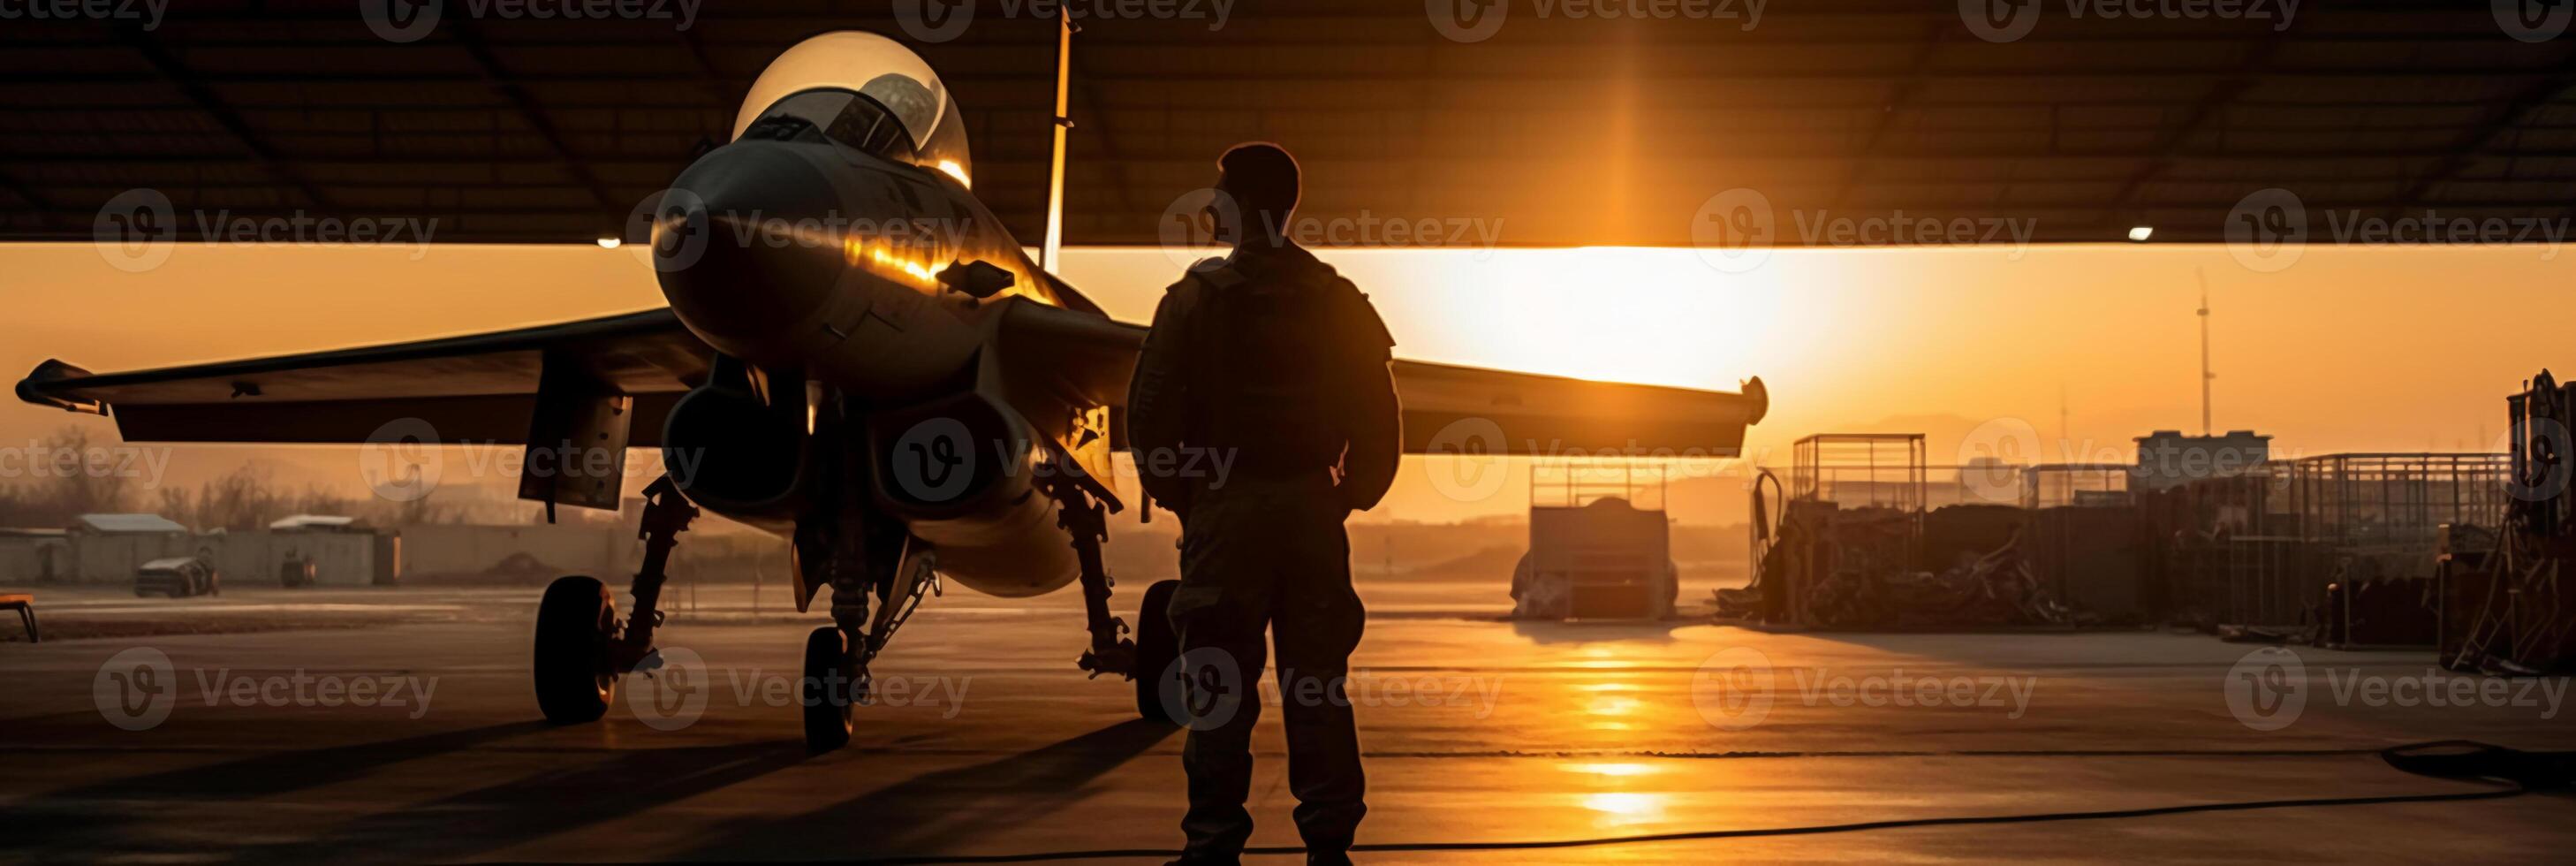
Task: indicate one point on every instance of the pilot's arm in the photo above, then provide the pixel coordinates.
(1158, 399)
(1373, 420)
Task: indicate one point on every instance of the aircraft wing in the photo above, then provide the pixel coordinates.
(478, 388)
(1448, 409)
(483, 387)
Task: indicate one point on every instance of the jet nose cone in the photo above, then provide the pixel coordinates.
(733, 243)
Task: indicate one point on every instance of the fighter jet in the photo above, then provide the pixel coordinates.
(858, 358)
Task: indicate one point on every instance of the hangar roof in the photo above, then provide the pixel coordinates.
(1555, 130)
(129, 523)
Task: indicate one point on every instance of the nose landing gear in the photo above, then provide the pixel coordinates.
(581, 649)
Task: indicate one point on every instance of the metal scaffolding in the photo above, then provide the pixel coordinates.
(1860, 470)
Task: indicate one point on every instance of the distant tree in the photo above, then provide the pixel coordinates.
(84, 478)
(64, 476)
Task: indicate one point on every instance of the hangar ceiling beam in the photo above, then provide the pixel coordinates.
(204, 98)
(2212, 104)
(2499, 118)
(535, 115)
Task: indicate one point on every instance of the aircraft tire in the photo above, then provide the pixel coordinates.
(1156, 647)
(570, 667)
(827, 691)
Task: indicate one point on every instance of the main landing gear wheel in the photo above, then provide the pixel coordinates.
(573, 676)
(830, 687)
(1156, 647)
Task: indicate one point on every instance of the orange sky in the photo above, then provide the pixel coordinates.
(2348, 349)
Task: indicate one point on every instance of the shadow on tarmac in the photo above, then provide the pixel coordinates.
(938, 808)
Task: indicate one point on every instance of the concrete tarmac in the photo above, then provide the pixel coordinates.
(416, 739)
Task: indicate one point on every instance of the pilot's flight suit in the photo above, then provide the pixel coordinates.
(1271, 359)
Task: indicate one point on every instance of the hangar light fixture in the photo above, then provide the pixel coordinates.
(2140, 233)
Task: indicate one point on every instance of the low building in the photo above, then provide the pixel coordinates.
(2168, 459)
(35, 556)
(107, 548)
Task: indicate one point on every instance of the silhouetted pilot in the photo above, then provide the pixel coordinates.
(1269, 358)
